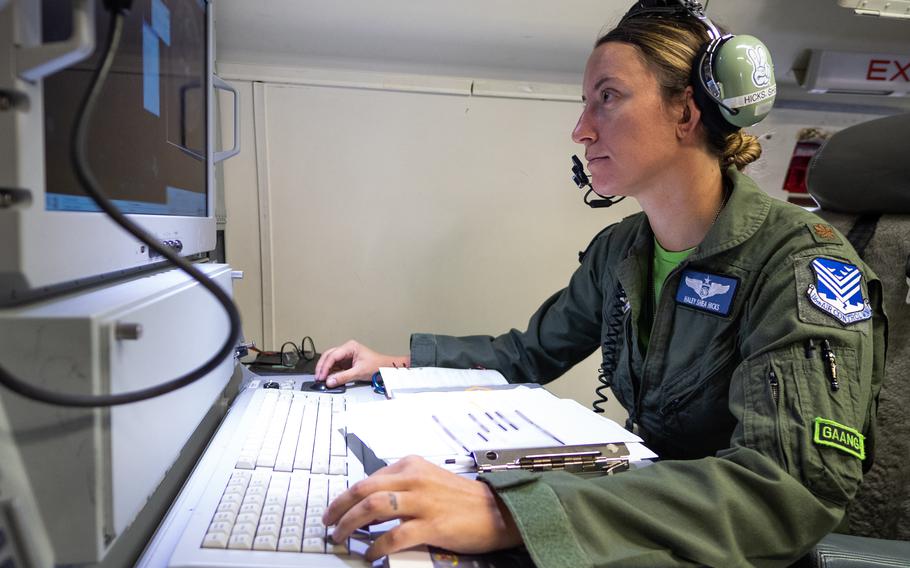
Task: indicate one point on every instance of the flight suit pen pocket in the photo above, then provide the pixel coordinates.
(790, 408)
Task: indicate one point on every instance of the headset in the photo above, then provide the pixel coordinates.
(732, 78)
(732, 75)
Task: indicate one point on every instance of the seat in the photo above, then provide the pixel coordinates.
(861, 180)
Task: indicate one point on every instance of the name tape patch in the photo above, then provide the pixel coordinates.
(843, 438)
(838, 291)
(710, 293)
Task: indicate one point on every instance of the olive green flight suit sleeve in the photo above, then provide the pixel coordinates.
(767, 498)
(563, 331)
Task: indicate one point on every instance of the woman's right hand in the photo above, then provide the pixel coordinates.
(353, 362)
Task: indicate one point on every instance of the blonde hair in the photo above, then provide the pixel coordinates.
(669, 47)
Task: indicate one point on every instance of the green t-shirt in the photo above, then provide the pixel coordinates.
(664, 262)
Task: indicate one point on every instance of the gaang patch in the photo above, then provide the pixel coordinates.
(838, 291)
(846, 439)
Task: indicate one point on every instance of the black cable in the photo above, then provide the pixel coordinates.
(610, 344)
(90, 186)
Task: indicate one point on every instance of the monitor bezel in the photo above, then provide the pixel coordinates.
(44, 253)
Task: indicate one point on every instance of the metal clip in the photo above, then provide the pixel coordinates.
(599, 459)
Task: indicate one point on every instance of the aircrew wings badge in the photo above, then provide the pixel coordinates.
(711, 293)
(838, 291)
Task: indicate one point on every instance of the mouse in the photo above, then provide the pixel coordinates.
(320, 386)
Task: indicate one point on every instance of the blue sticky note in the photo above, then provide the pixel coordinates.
(712, 293)
(151, 97)
(161, 21)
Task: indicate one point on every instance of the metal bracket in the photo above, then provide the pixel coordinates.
(10, 197)
(598, 459)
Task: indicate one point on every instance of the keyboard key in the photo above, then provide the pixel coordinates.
(310, 532)
(251, 508)
(313, 545)
(270, 519)
(238, 489)
(289, 543)
(246, 461)
(265, 542)
(215, 540)
(225, 517)
(338, 466)
(248, 529)
(231, 498)
(229, 507)
(240, 542)
(272, 510)
(220, 527)
(268, 529)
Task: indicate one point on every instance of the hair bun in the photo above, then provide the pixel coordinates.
(740, 149)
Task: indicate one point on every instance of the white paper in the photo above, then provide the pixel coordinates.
(426, 378)
(440, 424)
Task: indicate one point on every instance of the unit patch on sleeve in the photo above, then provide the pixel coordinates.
(844, 438)
(710, 293)
(838, 291)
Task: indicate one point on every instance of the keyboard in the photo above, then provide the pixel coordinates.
(263, 504)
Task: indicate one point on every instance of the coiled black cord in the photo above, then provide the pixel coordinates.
(91, 187)
(609, 348)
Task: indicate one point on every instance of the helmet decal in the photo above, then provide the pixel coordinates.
(761, 71)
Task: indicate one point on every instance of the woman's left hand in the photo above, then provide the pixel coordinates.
(435, 507)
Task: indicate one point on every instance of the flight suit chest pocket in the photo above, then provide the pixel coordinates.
(694, 403)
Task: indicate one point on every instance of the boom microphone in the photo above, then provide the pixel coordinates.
(581, 179)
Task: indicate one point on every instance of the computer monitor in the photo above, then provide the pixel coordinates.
(149, 143)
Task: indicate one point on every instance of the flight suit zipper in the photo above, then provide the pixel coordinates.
(658, 317)
(633, 379)
(775, 388)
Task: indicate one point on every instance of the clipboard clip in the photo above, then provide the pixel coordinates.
(594, 459)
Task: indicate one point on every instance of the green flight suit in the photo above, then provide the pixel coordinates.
(730, 397)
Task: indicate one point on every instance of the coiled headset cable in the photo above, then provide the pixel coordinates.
(609, 350)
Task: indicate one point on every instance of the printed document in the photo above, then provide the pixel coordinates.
(445, 427)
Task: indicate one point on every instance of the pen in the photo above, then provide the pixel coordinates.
(829, 358)
(452, 462)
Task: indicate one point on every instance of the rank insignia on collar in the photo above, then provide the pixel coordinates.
(710, 293)
(824, 231)
(838, 291)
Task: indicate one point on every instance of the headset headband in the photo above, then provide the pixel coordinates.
(674, 9)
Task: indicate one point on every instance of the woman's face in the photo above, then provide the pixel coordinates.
(627, 130)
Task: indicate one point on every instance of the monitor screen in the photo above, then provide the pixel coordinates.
(147, 137)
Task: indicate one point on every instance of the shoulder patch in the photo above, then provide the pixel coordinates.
(838, 291)
(846, 439)
(710, 293)
(823, 233)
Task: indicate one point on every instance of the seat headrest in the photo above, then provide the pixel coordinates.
(864, 168)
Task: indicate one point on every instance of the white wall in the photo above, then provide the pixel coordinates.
(370, 206)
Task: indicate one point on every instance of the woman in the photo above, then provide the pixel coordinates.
(714, 312)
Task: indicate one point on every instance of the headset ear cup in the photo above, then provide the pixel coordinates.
(711, 116)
